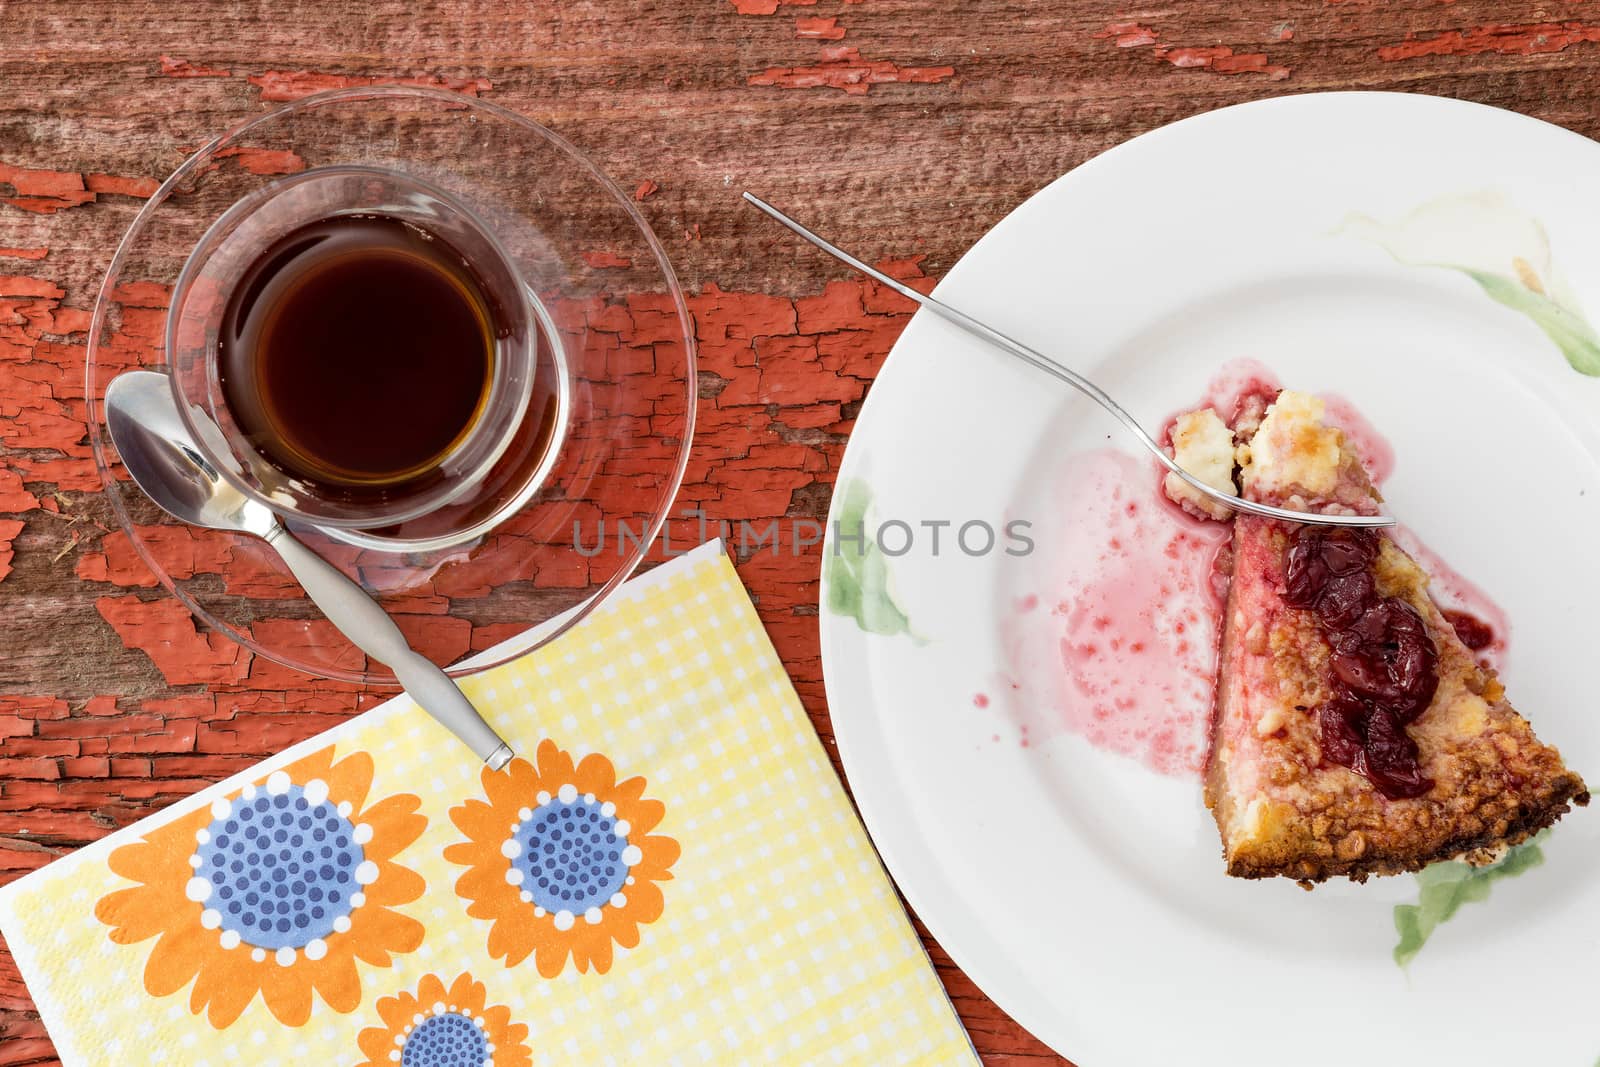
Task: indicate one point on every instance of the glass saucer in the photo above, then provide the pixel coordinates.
(566, 529)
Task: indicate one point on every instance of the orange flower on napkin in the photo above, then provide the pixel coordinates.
(439, 1025)
(276, 890)
(561, 858)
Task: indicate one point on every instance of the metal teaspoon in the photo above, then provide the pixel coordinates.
(159, 452)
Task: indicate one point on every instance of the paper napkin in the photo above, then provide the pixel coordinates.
(669, 873)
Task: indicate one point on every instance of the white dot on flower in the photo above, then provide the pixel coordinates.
(278, 782)
(316, 948)
(342, 924)
(513, 876)
(608, 809)
(258, 954)
(592, 916)
(345, 808)
(231, 939)
(395, 1055)
(543, 797)
(588, 798)
(197, 890)
(628, 880)
(568, 793)
(438, 1007)
(510, 848)
(525, 896)
(249, 791)
(631, 855)
(362, 833)
(618, 900)
(285, 956)
(622, 828)
(399, 1039)
(202, 835)
(563, 920)
(357, 899)
(367, 873)
(315, 791)
(211, 918)
(417, 1019)
(220, 808)
(195, 861)
(538, 913)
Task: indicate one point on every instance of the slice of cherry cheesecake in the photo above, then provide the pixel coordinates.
(1355, 734)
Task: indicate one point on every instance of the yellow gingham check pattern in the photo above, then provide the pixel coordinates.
(781, 942)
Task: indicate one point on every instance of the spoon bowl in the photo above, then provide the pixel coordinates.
(156, 447)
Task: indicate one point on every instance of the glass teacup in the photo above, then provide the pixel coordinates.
(245, 445)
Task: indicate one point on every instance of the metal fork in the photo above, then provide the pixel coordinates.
(1072, 378)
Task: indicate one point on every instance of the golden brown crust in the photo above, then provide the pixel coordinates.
(1282, 811)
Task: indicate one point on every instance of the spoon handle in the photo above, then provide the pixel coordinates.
(369, 627)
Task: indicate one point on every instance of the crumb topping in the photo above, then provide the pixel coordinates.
(1202, 444)
(1293, 450)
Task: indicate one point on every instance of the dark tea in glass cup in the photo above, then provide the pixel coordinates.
(354, 348)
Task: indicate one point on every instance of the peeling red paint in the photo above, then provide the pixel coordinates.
(1222, 60)
(9, 529)
(143, 188)
(818, 29)
(24, 253)
(182, 68)
(1219, 59)
(165, 631)
(1128, 34)
(71, 320)
(605, 260)
(13, 497)
(844, 68)
(767, 7)
(43, 191)
(264, 160)
(284, 85)
(1522, 39)
(646, 189)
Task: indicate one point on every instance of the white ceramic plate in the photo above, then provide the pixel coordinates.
(1330, 237)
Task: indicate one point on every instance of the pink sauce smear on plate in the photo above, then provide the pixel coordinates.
(1119, 644)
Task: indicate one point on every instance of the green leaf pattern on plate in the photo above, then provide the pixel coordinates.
(1447, 886)
(857, 572)
(1569, 330)
(1504, 250)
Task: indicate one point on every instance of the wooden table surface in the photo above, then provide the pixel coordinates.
(904, 128)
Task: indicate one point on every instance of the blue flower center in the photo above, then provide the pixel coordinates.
(448, 1040)
(281, 869)
(571, 858)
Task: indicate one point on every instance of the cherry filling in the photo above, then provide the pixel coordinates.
(1385, 666)
(1473, 631)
